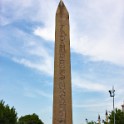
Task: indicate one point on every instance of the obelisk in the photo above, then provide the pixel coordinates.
(62, 99)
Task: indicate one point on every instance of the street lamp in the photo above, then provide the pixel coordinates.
(112, 94)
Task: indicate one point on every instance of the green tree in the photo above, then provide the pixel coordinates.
(91, 122)
(30, 119)
(119, 117)
(7, 115)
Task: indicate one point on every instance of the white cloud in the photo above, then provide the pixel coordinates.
(96, 33)
(30, 10)
(45, 67)
(105, 50)
(48, 30)
(42, 11)
(46, 33)
(29, 92)
(101, 37)
(27, 50)
(88, 85)
(33, 50)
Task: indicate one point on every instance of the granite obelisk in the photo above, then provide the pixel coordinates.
(62, 99)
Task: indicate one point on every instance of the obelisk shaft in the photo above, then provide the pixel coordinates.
(62, 100)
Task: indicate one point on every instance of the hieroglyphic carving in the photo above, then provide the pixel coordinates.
(62, 93)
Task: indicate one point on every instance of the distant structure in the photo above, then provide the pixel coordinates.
(99, 120)
(106, 114)
(62, 97)
(123, 107)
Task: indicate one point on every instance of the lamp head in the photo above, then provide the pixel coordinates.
(110, 91)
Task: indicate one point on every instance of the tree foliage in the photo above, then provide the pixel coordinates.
(91, 122)
(30, 119)
(7, 115)
(119, 117)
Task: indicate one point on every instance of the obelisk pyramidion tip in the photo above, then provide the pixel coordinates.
(61, 2)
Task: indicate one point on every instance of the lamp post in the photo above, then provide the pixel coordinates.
(112, 94)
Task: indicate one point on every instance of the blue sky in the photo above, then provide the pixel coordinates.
(27, 29)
